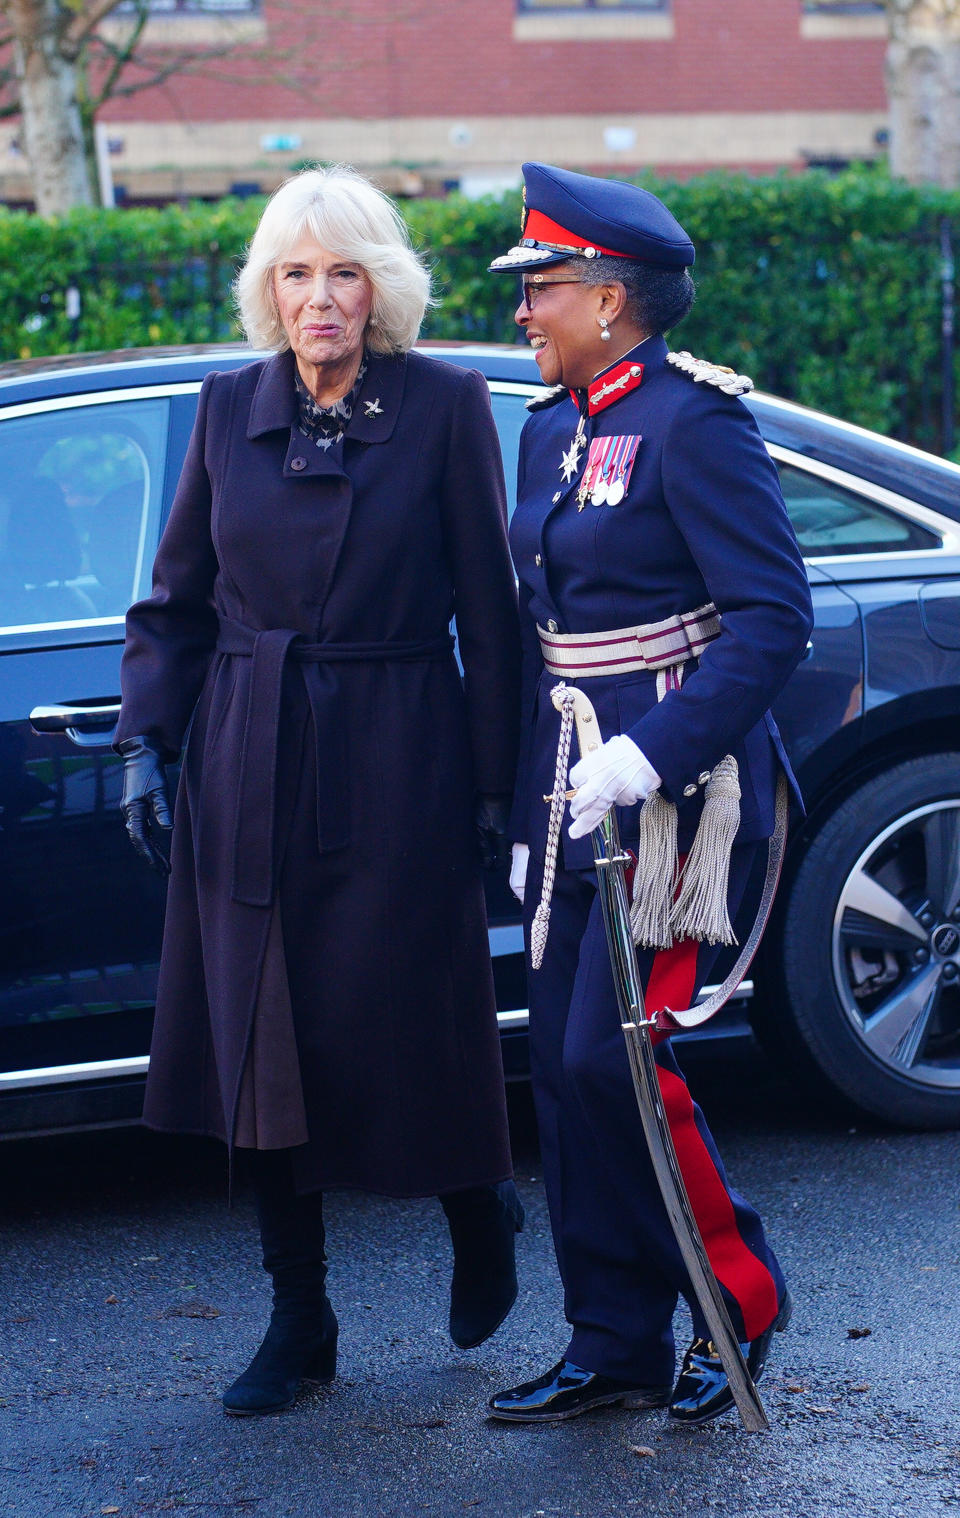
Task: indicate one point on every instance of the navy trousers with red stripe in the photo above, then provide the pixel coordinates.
(621, 1268)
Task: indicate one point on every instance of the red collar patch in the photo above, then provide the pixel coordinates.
(611, 385)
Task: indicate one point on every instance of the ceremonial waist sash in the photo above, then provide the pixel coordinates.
(672, 899)
(625, 650)
(254, 861)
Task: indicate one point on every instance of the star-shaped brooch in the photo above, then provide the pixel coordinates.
(373, 408)
(570, 462)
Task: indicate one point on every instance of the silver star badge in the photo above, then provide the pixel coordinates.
(571, 460)
(373, 408)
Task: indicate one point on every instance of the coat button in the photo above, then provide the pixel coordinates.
(703, 777)
(298, 463)
(552, 626)
(537, 560)
(689, 790)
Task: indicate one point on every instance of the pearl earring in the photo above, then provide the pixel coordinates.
(604, 333)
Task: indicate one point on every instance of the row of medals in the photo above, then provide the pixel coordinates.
(609, 488)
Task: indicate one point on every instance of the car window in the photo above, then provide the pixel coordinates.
(80, 497)
(829, 519)
(510, 412)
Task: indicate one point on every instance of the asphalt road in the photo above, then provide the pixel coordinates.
(130, 1294)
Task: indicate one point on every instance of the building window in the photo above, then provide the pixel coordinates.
(186, 23)
(190, 8)
(527, 6)
(844, 7)
(833, 20)
(593, 20)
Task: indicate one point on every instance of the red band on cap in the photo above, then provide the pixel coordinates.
(542, 229)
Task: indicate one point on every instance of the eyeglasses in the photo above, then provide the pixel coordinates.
(531, 290)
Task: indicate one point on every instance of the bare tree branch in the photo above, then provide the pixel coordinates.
(120, 56)
(82, 24)
(76, 65)
(159, 74)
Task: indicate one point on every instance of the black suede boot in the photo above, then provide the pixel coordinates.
(484, 1222)
(301, 1341)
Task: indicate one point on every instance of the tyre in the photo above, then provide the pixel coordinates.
(865, 951)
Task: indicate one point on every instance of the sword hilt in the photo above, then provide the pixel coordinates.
(584, 716)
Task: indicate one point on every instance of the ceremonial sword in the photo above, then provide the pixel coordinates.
(610, 860)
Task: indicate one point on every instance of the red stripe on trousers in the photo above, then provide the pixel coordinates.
(671, 984)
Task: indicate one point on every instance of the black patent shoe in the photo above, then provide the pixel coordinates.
(484, 1222)
(702, 1391)
(292, 1353)
(566, 1391)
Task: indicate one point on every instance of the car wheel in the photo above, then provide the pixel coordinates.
(867, 948)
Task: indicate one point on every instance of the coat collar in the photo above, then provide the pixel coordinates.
(274, 404)
(378, 404)
(622, 377)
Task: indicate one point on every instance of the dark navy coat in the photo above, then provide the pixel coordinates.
(325, 982)
(703, 520)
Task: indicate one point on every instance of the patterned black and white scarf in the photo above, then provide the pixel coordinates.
(325, 425)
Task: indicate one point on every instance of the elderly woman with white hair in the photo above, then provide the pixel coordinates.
(325, 996)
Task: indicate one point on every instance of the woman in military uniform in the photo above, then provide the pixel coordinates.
(658, 568)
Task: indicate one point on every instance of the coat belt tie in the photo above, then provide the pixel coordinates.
(254, 839)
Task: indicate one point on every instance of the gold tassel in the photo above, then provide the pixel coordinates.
(701, 908)
(655, 877)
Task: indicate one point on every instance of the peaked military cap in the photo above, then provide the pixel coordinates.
(568, 215)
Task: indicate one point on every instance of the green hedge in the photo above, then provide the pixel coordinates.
(144, 276)
(826, 289)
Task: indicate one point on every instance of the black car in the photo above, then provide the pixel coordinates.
(858, 979)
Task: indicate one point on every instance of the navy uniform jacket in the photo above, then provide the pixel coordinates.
(703, 520)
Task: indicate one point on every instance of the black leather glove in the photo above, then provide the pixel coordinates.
(145, 794)
(491, 816)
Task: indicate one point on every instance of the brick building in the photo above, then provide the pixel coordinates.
(435, 92)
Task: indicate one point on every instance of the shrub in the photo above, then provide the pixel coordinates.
(826, 289)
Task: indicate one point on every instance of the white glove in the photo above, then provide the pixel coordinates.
(518, 870)
(615, 774)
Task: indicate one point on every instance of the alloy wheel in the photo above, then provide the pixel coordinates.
(896, 946)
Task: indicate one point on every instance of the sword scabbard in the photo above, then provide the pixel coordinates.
(609, 859)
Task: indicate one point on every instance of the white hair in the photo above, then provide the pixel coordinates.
(354, 221)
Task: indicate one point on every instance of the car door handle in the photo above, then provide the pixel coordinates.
(87, 726)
